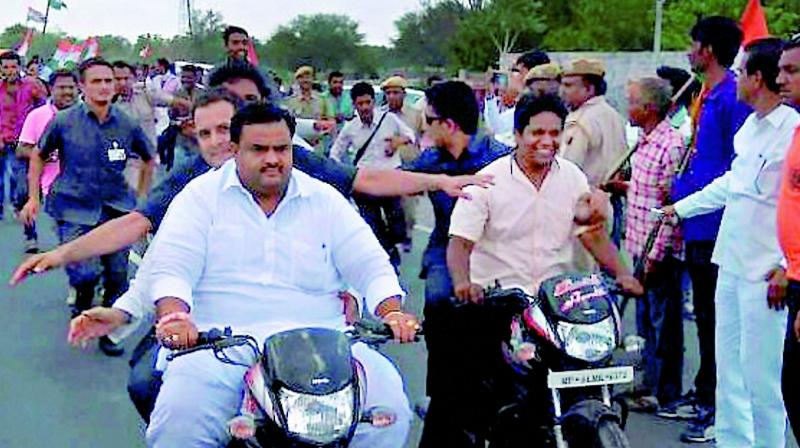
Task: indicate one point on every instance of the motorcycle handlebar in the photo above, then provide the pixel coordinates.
(216, 339)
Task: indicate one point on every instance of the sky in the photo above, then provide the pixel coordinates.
(130, 18)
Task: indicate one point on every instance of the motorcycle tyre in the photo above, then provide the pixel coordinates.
(610, 435)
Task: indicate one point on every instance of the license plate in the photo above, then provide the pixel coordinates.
(594, 377)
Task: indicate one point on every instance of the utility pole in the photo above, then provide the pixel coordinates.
(46, 16)
(189, 15)
(657, 31)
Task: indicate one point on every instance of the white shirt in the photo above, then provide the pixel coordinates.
(522, 235)
(219, 252)
(747, 243)
(355, 133)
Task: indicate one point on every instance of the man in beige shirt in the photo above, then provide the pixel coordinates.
(594, 133)
(524, 228)
(394, 88)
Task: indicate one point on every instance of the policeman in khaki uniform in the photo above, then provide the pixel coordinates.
(544, 79)
(394, 89)
(594, 133)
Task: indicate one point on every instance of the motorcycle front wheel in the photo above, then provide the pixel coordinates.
(610, 435)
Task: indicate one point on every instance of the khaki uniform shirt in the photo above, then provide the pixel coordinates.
(314, 107)
(594, 138)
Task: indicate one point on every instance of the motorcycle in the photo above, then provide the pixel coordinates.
(555, 373)
(305, 390)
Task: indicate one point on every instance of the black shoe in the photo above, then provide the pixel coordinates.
(701, 430)
(111, 349)
(31, 247)
(681, 409)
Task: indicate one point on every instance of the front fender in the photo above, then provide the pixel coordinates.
(584, 417)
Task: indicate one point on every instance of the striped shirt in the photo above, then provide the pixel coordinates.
(653, 169)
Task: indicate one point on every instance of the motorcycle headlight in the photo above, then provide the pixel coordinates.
(318, 418)
(588, 342)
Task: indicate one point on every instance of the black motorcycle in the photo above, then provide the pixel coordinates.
(305, 390)
(552, 383)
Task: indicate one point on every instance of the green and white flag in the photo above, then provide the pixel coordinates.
(57, 4)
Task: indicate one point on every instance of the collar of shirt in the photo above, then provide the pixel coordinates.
(519, 174)
(661, 130)
(295, 189)
(376, 117)
(112, 112)
(776, 117)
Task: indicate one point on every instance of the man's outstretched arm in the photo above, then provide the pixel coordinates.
(110, 237)
(404, 183)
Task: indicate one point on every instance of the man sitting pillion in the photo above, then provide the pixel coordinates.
(243, 247)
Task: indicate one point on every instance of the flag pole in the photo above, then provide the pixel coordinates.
(46, 16)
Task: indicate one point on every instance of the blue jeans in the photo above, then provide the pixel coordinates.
(18, 188)
(4, 162)
(85, 275)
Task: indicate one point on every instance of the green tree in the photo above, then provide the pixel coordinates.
(593, 25)
(424, 37)
(500, 26)
(783, 17)
(325, 41)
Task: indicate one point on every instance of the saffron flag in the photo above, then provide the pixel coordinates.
(754, 22)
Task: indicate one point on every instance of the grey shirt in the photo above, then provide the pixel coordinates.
(93, 156)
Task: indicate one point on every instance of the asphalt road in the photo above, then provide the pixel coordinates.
(52, 395)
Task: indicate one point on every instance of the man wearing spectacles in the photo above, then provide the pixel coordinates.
(750, 312)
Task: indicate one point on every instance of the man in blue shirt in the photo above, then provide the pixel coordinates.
(95, 140)
(453, 416)
(717, 117)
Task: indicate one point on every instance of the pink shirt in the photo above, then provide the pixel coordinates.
(35, 125)
(13, 110)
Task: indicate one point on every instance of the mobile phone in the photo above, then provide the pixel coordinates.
(500, 79)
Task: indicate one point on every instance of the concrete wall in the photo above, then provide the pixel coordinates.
(621, 67)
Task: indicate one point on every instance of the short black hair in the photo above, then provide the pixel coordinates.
(598, 82)
(233, 30)
(456, 101)
(123, 64)
(361, 89)
(62, 73)
(433, 79)
(722, 35)
(335, 74)
(164, 62)
(763, 56)
(11, 56)
(257, 113)
(34, 60)
(531, 59)
(531, 105)
(190, 68)
(216, 95)
(234, 70)
(93, 62)
(677, 78)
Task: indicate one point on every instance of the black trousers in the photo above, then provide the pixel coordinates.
(790, 380)
(465, 367)
(704, 283)
(386, 218)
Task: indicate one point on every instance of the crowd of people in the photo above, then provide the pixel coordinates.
(260, 229)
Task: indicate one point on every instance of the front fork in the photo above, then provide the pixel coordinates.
(559, 433)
